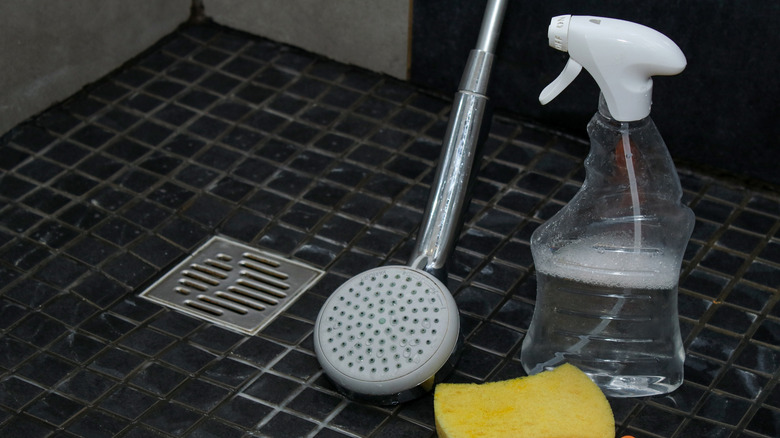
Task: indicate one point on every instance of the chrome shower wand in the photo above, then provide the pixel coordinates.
(389, 334)
(468, 127)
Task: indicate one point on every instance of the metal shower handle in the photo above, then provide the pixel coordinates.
(468, 125)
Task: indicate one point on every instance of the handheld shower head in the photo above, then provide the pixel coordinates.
(385, 335)
(389, 334)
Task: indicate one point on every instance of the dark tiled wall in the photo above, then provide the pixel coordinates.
(721, 112)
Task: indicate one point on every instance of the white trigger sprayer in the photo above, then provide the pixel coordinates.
(608, 263)
(621, 56)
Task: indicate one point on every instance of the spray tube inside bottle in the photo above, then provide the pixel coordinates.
(608, 262)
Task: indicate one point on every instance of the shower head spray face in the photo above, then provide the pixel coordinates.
(386, 334)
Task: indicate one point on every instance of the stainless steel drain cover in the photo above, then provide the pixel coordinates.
(233, 285)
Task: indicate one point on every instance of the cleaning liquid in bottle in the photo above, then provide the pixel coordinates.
(608, 263)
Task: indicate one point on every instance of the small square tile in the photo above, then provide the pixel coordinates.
(216, 429)
(86, 385)
(107, 326)
(477, 363)
(175, 323)
(271, 388)
(118, 119)
(243, 411)
(187, 357)
(46, 369)
(163, 88)
(126, 149)
(759, 358)
(704, 283)
(70, 309)
(495, 338)
(701, 370)
(40, 170)
(289, 183)
(158, 379)
(684, 398)
(725, 409)
(197, 99)
(208, 127)
(732, 319)
(216, 338)
(110, 199)
(16, 392)
(24, 254)
(157, 251)
(21, 426)
(127, 402)
(38, 329)
(174, 114)
(359, 419)
(315, 404)
(160, 164)
(129, 270)
(61, 271)
(99, 289)
(399, 427)
(768, 331)
(200, 395)
(46, 200)
(91, 250)
(241, 66)
(150, 133)
(147, 341)
(171, 195)
(96, 424)
(277, 151)
(754, 222)
(219, 83)
(92, 136)
(231, 189)
(137, 180)
(283, 425)
(765, 421)
(119, 231)
(196, 176)
(142, 102)
(255, 170)
(298, 365)
(14, 351)
(742, 383)
(54, 409)
(658, 421)
(254, 94)
(723, 262)
(714, 344)
(230, 372)
(31, 293)
(186, 71)
(258, 351)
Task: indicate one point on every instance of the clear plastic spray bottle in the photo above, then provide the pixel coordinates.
(608, 263)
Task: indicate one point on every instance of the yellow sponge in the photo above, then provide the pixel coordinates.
(562, 403)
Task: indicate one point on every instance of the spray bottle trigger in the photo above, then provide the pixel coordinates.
(551, 91)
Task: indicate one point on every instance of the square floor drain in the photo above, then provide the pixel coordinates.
(233, 285)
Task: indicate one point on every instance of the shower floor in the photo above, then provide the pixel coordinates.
(214, 132)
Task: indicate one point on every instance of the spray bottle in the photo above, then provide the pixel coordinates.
(608, 263)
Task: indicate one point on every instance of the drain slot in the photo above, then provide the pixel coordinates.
(233, 285)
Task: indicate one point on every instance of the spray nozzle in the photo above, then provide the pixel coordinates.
(620, 55)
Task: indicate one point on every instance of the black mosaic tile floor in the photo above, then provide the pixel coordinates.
(216, 132)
